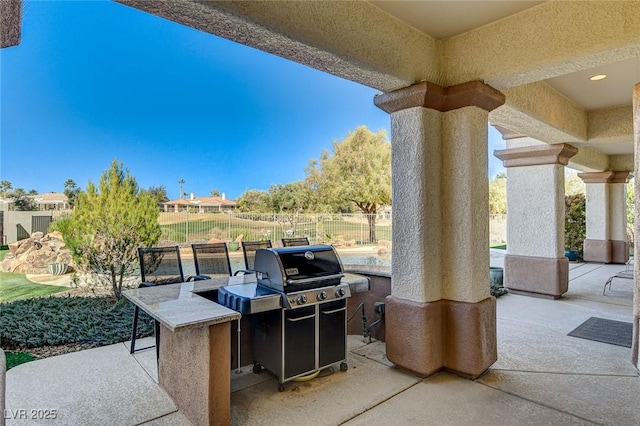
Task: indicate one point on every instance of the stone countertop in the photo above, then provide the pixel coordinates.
(178, 306)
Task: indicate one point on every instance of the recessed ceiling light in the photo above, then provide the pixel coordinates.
(598, 77)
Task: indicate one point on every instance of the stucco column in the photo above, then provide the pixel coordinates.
(635, 346)
(606, 240)
(535, 262)
(440, 314)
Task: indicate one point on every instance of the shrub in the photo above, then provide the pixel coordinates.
(575, 222)
(54, 321)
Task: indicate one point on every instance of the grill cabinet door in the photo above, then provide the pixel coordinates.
(332, 332)
(299, 341)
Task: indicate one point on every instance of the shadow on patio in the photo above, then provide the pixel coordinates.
(542, 376)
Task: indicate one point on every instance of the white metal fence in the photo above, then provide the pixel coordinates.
(185, 228)
(353, 229)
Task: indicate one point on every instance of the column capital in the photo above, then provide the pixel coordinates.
(605, 177)
(432, 96)
(508, 134)
(536, 155)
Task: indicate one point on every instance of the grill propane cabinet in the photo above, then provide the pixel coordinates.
(298, 310)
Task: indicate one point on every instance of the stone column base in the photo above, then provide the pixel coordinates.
(447, 335)
(538, 276)
(606, 251)
(195, 370)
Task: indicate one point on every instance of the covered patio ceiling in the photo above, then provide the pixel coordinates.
(540, 54)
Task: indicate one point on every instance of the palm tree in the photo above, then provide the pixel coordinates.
(5, 185)
(181, 182)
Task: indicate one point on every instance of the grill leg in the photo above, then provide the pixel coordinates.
(238, 369)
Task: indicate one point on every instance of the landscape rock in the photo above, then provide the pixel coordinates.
(34, 254)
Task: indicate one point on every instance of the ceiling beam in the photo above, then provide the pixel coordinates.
(613, 125)
(353, 40)
(538, 111)
(548, 40)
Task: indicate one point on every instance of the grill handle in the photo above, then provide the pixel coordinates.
(291, 281)
(333, 311)
(301, 318)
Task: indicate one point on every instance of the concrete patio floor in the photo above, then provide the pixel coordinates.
(542, 376)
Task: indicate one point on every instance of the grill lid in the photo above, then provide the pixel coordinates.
(298, 268)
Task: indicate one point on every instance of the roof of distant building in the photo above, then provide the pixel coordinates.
(201, 201)
(51, 197)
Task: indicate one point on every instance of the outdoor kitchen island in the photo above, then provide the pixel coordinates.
(194, 365)
(195, 350)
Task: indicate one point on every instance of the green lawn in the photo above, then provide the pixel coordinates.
(17, 358)
(17, 286)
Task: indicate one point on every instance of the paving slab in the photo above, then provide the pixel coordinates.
(147, 357)
(539, 348)
(173, 419)
(607, 400)
(445, 399)
(330, 399)
(102, 386)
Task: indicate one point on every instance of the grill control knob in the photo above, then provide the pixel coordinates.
(340, 292)
(322, 295)
(302, 299)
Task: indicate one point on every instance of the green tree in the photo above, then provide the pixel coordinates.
(253, 200)
(575, 222)
(215, 193)
(22, 201)
(498, 194)
(289, 200)
(110, 221)
(159, 193)
(358, 170)
(573, 184)
(71, 190)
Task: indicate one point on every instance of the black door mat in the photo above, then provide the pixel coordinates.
(606, 331)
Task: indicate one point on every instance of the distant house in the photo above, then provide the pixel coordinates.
(51, 201)
(200, 204)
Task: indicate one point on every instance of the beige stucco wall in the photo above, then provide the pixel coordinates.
(597, 211)
(466, 205)
(417, 218)
(618, 211)
(535, 223)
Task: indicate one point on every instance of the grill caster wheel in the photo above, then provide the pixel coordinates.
(281, 387)
(257, 368)
(344, 366)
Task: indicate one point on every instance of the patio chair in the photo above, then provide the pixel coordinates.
(627, 274)
(249, 251)
(211, 260)
(158, 266)
(291, 242)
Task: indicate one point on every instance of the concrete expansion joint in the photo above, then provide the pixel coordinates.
(533, 401)
(390, 397)
(591, 270)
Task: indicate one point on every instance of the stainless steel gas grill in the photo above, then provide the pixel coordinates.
(307, 331)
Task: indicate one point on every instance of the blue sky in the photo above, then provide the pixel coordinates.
(95, 80)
